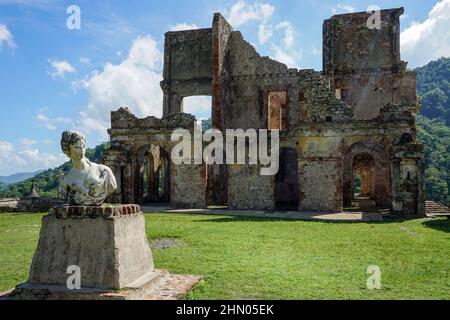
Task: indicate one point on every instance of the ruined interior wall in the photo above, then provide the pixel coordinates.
(322, 149)
(247, 189)
(188, 186)
(320, 182)
(356, 47)
(131, 138)
(322, 160)
(187, 67)
(220, 75)
(364, 64)
(308, 100)
(252, 77)
(217, 180)
(320, 168)
(317, 103)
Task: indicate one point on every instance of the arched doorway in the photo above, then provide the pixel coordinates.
(286, 193)
(153, 175)
(367, 171)
(364, 180)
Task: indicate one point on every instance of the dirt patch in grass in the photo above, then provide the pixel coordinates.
(165, 243)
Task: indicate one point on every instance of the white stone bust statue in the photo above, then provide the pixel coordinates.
(87, 183)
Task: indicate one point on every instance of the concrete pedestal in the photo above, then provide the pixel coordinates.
(107, 244)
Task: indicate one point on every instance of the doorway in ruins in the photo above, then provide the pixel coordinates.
(364, 180)
(154, 175)
(286, 193)
(367, 170)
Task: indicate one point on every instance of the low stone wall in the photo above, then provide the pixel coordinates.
(28, 204)
(9, 204)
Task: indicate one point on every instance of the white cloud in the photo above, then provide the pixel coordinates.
(26, 159)
(266, 9)
(283, 56)
(262, 14)
(60, 68)
(6, 37)
(342, 7)
(48, 141)
(183, 26)
(133, 83)
(26, 143)
(288, 33)
(197, 105)
(51, 123)
(264, 33)
(428, 40)
(242, 13)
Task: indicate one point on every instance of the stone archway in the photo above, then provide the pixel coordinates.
(152, 177)
(364, 168)
(372, 162)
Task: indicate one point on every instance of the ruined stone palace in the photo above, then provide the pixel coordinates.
(347, 132)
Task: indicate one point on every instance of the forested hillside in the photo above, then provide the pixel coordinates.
(433, 87)
(46, 182)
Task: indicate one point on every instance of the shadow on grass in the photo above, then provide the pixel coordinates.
(438, 224)
(222, 219)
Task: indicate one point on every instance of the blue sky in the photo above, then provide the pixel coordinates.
(53, 78)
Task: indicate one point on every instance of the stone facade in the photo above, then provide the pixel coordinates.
(356, 117)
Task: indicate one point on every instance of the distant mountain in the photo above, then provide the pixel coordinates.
(47, 181)
(18, 177)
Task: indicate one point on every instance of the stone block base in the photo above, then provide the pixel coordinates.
(159, 286)
(108, 245)
(105, 248)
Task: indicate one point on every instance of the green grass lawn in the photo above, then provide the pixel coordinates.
(244, 258)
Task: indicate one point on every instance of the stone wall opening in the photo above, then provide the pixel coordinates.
(153, 176)
(372, 164)
(364, 172)
(198, 106)
(277, 114)
(286, 193)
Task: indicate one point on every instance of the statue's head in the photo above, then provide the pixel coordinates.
(73, 144)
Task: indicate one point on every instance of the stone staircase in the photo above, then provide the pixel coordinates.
(434, 209)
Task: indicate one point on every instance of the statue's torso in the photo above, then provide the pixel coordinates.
(87, 186)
